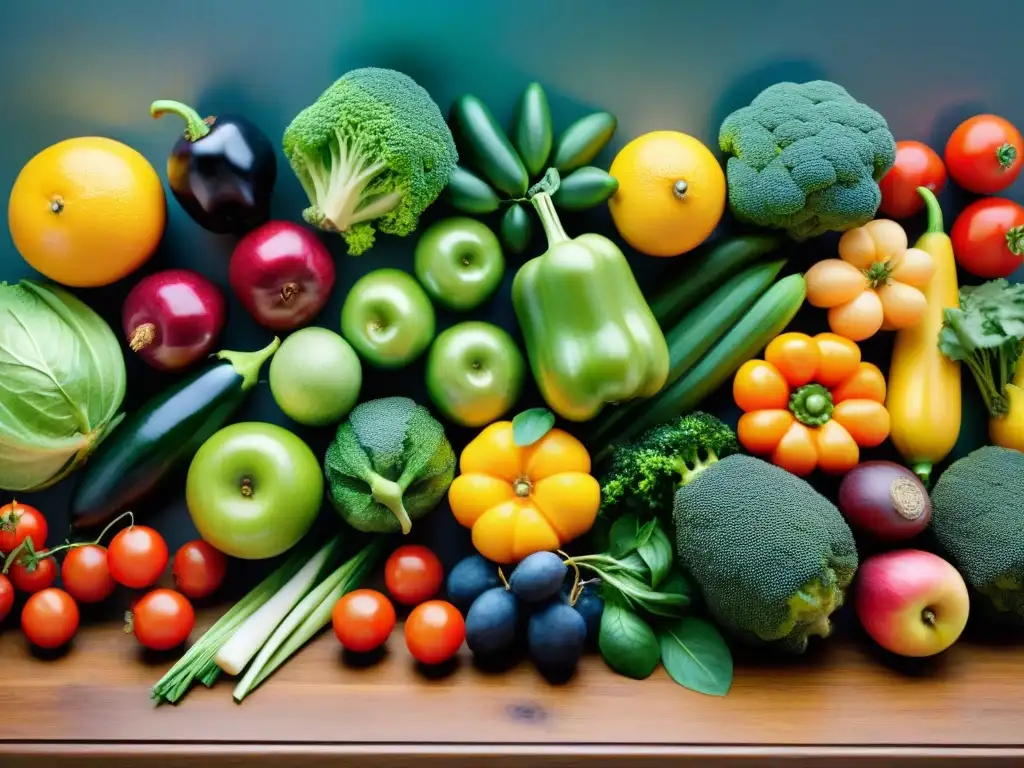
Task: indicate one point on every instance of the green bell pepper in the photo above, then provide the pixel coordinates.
(590, 337)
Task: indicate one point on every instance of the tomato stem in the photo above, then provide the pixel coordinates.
(1006, 154)
(1015, 240)
(877, 274)
(812, 405)
(33, 559)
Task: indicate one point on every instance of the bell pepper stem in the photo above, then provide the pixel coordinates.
(923, 470)
(195, 126)
(812, 405)
(549, 218)
(931, 204)
(248, 364)
(389, 493)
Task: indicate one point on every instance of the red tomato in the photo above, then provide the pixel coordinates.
(363, 620)
(917, 165)
(17, 523)
(413, 574)
(199, 569)
(86, 574)
(988, 237)
(983, 155)
(6, 597)
(137, 556)
(49, 618)
(39, 578)
(162, 619)
(434, 631)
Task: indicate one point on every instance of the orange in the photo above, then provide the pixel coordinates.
(87, 211)
(671, 193)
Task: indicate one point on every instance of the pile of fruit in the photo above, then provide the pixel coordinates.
(616, 516)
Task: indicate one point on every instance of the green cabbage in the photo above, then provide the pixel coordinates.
(62, 380)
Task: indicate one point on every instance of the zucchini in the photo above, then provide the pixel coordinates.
(766, 319)
(485, 144)
(163, 435)
(700, 275)
(696, 333)
(583, 140)
(516, 228)
(584, 188)
(468, 193)
(531, 129)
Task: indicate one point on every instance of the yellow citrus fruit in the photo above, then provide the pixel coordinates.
(671, 193)
(87, 211)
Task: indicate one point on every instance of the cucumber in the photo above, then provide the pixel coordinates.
(516, 228)
(584, 188)
(766, 319)
(486, 146)
(532, 134)
(700, 275)
(581, 141)
(469, 193)
(696, 333)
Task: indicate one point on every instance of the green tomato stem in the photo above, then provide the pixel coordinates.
(195, 126)
(1006, 154)
(1015, 240)
(389, 493)
(248, 364)
(812, 405)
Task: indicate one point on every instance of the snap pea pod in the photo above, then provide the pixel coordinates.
(516, 228)
(532, 133)
(584, 188)
(481, 139)
(468, 193)
(581, 141)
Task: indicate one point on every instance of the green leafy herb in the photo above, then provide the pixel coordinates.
(677, 583)
(624, 538)
(695, 656)
(530, 426)
(985, 333)
(627, 642)
(656, 551)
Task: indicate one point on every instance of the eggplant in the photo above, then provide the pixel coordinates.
(221, 171)
(162, 436)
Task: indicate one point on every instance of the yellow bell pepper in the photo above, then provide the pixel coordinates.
(1008, 431)
(519, 500)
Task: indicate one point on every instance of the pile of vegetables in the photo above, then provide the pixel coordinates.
(617, 516)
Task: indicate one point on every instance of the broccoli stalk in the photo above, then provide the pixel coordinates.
(372, 153)
(645, 474)
(986, 333)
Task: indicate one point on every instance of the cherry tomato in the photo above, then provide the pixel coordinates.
(137, 556)
(199, 569)
(86, 574)
(6, 597)
(36, 579)
(988, 237)
(17, 523)
(983, 154)
(413, 574)
(363, 620)
(917, 165)
(162, 619)
(434, 631)
(49, 618)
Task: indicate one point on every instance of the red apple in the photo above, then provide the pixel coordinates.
(911, 602)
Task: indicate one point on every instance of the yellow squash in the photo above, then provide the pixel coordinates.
(1008, 431)
(924, 385)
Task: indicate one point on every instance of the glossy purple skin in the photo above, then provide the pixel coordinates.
(177, 315)
(866, 501)
(282, 274)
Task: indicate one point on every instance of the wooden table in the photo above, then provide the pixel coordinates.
(841, 705)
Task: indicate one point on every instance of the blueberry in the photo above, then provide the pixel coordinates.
(538, 577)
(469, 579)
(491, 622)
(556, 636)
(589, 605)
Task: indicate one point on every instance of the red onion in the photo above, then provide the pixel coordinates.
(173, 318)
(282, 274)
(885, 500)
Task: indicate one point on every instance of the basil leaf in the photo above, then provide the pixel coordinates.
(627, 642)
(530, 426)
(638, 594)
(695, 656)
(657, 553)
(623, 536)
(634, 565)
(643, 535)
(677, 583)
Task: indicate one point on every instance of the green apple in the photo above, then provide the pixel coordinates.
(460, 263)
(253, 490)
(474, 373)
(315, 377)
(388, 318)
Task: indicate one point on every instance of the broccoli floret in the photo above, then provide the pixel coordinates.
(644, 474)
(372, 151)
(806, 158)
(773, 557)
(978, 520)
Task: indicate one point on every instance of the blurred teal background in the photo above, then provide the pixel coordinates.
(73, 68)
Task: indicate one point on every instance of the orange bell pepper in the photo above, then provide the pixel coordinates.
(519, 500)
(811, 404)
